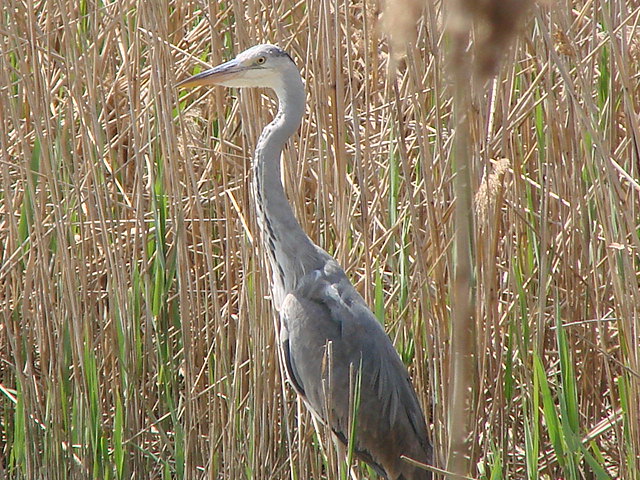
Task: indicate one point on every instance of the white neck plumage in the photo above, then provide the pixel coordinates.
(290, 252)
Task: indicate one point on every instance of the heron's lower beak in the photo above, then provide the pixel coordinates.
(214, 76)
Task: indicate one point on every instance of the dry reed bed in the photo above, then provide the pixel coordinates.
(135, 336)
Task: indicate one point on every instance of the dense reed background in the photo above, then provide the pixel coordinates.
(136, 338)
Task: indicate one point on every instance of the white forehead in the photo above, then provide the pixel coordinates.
(264, 49)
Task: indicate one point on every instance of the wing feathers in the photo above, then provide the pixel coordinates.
(326, 308)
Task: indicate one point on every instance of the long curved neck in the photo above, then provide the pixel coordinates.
(289, 250)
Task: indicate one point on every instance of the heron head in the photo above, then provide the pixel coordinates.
(260, 66)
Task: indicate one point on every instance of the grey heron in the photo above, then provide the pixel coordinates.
(326, 330)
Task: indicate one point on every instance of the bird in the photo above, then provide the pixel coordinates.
(329, 340)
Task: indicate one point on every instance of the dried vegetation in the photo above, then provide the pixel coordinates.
(135, 337)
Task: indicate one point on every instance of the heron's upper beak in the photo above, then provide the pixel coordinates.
(214, 76)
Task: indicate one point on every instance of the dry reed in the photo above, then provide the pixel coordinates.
(136, 339)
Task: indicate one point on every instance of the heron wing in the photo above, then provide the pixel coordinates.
(330, 333)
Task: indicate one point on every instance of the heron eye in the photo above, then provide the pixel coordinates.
(260, 60)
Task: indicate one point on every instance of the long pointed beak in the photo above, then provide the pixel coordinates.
(214, 76)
